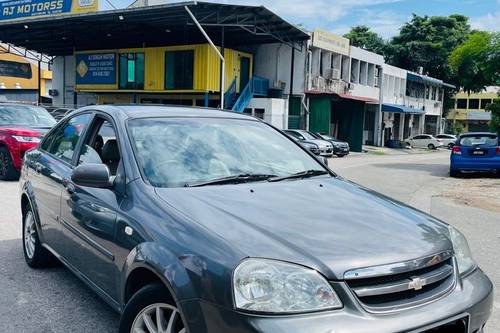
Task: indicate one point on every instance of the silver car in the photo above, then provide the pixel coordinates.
(325, 147)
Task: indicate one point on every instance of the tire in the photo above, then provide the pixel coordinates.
(35, 254)
(145, 301)
(431, 146)
(7, 170)
(454, 173)
(340, 155)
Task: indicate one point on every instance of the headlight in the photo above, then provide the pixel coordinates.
(271, 286)
(462, 252)
(22, 138)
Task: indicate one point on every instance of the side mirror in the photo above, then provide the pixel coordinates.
(92, 175)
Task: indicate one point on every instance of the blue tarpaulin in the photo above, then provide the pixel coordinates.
(400, 109)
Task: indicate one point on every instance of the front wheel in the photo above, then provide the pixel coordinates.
(152, 310)
(431, 146)
(340, 155)
(7, 170)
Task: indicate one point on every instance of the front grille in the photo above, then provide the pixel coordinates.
(404, 288)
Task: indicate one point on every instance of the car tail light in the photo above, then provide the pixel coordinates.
(498, 150)
(457, 150)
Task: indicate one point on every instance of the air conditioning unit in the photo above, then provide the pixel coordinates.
(53, 92)
(279, 85)
(332, 74)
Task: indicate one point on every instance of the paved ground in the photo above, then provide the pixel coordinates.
(471, 203)
(53, 300)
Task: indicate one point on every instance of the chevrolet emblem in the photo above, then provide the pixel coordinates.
(416, 283)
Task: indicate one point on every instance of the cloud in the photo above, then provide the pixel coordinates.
(488, 22)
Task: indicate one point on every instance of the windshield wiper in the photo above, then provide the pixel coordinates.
(236, 179)
(302, 174)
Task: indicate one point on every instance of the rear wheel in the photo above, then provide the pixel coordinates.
(431, 146)
(35, 254)
(455, 173)
(152, 310)
(7, 170)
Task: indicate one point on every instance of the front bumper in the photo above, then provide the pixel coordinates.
(326, 151)
(473, 296)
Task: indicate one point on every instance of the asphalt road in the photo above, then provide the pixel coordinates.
(53, 300)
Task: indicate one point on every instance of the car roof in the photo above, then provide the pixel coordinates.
(148, 111)
(477, 133)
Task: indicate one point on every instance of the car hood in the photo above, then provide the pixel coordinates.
(24, 130)
(325, 223)
(320, 143)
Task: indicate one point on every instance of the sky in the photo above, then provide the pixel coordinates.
(383, 16)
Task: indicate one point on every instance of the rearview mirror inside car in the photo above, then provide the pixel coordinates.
(92, 175)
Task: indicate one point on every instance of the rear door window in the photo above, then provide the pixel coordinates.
(66, 138)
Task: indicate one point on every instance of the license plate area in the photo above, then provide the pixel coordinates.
(478, 152)
(458, 324)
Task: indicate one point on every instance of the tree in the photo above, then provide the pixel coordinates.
(427, 42)
(495, 115)
(476, 62)
(362, 36)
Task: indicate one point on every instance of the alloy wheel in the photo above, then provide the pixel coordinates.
(158, 318)
(29, 235)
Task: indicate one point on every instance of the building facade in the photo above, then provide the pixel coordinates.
(469, 114)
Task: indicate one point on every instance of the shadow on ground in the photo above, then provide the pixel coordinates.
(49, 300)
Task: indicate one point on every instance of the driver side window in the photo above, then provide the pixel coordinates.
(101, 146)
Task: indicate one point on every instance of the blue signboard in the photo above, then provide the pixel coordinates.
(15, 9)
(96, 68)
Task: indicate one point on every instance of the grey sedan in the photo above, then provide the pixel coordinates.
(234, 227)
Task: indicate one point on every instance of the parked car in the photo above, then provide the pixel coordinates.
(340, 148)
(325, 147)
(21, 127)
(233, 227)
(448, 140)
(424, 141)
(475, 152)
(312, 147)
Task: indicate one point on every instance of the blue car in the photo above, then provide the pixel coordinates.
(475, 152)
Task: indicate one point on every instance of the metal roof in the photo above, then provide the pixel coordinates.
(150, 26)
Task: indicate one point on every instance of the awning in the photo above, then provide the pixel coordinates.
(400, 109)
(427, 80)
(150, 26)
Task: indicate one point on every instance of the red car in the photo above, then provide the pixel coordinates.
(21, 128)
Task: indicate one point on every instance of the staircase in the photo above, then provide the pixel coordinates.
(256, 87)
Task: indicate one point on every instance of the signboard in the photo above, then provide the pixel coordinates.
(15, 69)
(16, 9)
(330, 42)
(96, 68)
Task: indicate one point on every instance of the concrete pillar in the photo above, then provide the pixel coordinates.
(401, 126)
(421, 125)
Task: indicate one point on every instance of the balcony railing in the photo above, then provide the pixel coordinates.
(324, 85)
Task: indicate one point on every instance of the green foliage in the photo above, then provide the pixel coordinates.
(362, 36)
(495, 115)
(457, 129)
(476, 62)
(428, 41)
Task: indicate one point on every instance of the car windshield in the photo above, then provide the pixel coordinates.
(177, 152)
(487, 140)
(308, 135)
(25, 115)
(328, 137)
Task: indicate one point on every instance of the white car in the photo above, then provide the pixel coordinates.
(447, 139)
(424, 141)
